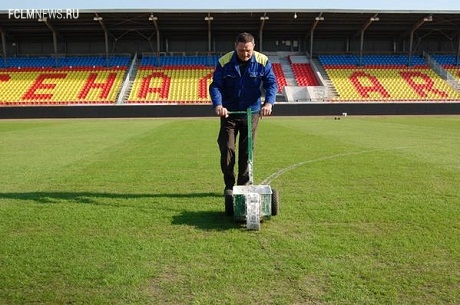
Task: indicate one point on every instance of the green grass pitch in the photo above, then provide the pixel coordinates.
(130, 211)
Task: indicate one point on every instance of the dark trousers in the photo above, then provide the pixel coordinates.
(231, 128)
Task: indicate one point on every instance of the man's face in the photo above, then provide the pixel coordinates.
(244, 50)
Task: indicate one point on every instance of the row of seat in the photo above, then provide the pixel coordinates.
(371, 60)
(211, 60)
(391, 77)
(53, 86)
(189, 83)
(171, 84)
(280, 78)
(450, 63)
(160, 61)
(390, 84)
(49, 62)
(304, 74)
(305, 77)
(454, 71)
(447, 59)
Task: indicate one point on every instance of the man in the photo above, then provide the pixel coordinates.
(236, 86)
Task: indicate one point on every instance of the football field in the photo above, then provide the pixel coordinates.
(131, 211)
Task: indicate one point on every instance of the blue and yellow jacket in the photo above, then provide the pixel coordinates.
(238, 92)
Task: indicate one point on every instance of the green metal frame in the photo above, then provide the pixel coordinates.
(250, 150)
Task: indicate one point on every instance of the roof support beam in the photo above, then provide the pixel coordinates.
(209, 19)
(457, 60)
(3, 45)
(262, 23)
(53, 31)
(313, 27)
(106, 36)
(428, 18)
(154, 19)
(363, 29)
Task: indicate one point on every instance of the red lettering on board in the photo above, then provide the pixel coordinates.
(421, 88)
(364, 90)
(203, 85)
(146, 89)
(4, 77)
(91, 83)
(40, 84)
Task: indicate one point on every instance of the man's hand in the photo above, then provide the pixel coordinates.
(221, 111)
(266, 109)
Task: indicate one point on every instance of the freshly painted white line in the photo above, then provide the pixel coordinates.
(275, 175)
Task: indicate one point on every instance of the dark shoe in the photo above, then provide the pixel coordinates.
(228, 190)
(228, 195)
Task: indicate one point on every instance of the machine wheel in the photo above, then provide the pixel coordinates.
(229, 202)
(275, 202)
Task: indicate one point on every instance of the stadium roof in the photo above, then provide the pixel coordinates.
(396, 19)
(239, 5)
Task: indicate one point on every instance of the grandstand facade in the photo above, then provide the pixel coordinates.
(325, 62)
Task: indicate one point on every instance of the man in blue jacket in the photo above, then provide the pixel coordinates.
(236, 86)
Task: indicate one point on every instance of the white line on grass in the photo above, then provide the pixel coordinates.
(275, 175)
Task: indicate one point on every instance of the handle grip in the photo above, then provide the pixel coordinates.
(248, 111)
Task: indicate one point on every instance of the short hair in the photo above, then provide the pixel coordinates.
(245, 37)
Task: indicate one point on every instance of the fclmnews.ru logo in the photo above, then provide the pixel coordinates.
(70, 13)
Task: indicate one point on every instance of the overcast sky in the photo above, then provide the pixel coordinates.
(256, 5)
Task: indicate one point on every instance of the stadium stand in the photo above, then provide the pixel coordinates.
(280, 78)
(185, 79)
(304, 75)
(72, 80)
(180, 79)
(78, 61)
(168, 62)
(172, 79)
(385, 78)
(279, 72)
(303, 71)
(450, 63)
